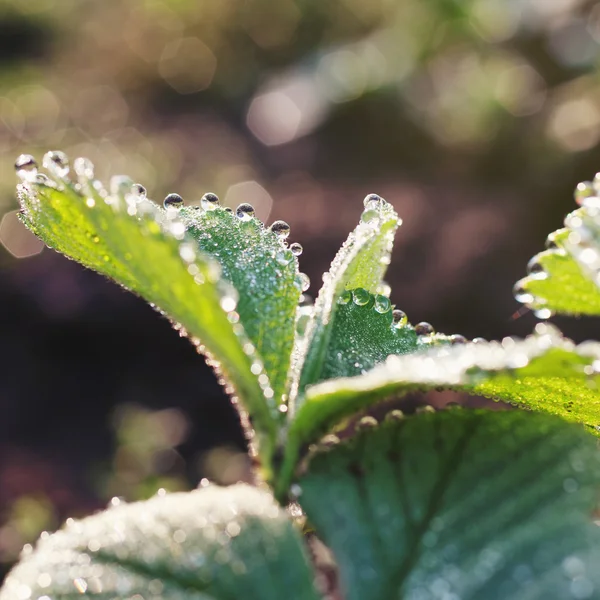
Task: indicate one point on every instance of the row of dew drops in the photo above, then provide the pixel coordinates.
(57, 163)
(579, 238)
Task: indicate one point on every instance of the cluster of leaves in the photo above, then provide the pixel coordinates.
(454, 504)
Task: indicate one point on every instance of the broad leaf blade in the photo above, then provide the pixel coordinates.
(461, 504)
(148, 250)
(217, 543)
(360, 263)
(565, 278)
(543, 372)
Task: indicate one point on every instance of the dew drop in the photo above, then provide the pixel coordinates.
(535, 269)
(382, 304)
(173, 201)
(360, 297)
(424, 328)
(373, 202)
(521, 294)
(84, 168)
(302, 281)
(229, 209)
(281, 229)
(424, 409)
(304, 315)
(394, 415)
(138, 191)
(209, 201)
(345, 297)
(367, 422)
(479, 340)
(43, 179)
(295, 490)
(329, 441)
(57, 163)
(296, 249)
(551, 241)
(584, 190)
(245, 212)
(457, 339)
(26, 167)
(543, 313)
(370, 216)
(399, 317)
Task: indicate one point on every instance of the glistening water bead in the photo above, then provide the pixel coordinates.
(209, 201)
(361, 297)
(424, 328)
(245, 212)
(345, 297)
(57, 163)
(296, 249)
(373, 202)
(139, 192)
(399, 317)
(302, 281)
(382, 304)
(173, 201)
(584, 190)
(26, 167)
(281, 229)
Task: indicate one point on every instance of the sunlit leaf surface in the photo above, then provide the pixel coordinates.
(164, 255)
(566, 277)
(360, 263)
(217, 543)
(544, 372)
(460, 504)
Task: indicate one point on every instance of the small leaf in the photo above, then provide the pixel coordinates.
(360, 263)
(565, 278)
(544, 372)
(461, 504)
(149, 251)
(217, 543)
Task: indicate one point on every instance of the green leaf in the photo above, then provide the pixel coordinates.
(565, 277)
(214, 543)
(543, 372)
(265, 274)
(149, 251)
(461, 504)
(364, 333)
(360, 263)
(362, 337)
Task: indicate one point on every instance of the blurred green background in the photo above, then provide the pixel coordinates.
(474, 118)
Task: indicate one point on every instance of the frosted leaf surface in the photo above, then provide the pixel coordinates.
(255, 260)
(360, 263)
(565, 278)
(214, 543)
(149, 250)
(544, 372)
(427, 508)
(365, 333)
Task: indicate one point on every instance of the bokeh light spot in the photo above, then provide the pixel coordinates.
(252, 193)
(17, 240)
(187, 65)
